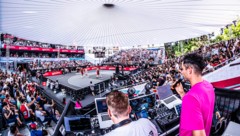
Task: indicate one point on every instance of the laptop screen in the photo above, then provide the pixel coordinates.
(101, 105)
(164, 92)
(77, 123)
(140, 105)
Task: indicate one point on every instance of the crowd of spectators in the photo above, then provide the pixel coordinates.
(42, 55)
(22, 103)
(133, 56)
(58, 64)
(157, 75)
(12, 40)
(215, 55)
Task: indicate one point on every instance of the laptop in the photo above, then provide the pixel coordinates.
(167, 97)
(76, 123)
(141, 104)
(101, 108)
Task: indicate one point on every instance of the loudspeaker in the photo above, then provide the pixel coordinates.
(122, 77)
(53, 46)
(2, 37)
(14, 39)
(22, 66)
(117, 70)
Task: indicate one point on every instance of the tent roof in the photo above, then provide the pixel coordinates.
(128, 23)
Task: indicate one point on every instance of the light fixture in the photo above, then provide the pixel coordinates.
(131, 91)
(227, 26)
(108, 5)
(209, 36)
(221, 31)
(148, 88)
(234, 22)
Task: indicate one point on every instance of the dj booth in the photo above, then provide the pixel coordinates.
(163, 112)
(73, 122)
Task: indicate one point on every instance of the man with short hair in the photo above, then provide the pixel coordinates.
(56, 86)
(42, 115)
(198, 103)
(26, 110)
(13, 131)
(119, 110)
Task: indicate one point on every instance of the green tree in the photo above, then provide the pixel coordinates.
(230, 32)
(183, 47)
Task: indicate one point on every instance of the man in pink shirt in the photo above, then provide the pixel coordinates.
(198, 103)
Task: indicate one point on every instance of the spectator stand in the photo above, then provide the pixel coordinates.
(221, 64)
(59, 105)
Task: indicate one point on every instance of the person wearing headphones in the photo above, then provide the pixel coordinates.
(119, 110)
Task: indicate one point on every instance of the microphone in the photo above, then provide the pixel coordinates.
(175, 84)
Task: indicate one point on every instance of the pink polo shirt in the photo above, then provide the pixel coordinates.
(197, 109)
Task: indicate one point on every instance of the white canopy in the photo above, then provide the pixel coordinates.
(127, 23)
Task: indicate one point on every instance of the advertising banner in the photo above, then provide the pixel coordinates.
(52, 73)
(28, 48)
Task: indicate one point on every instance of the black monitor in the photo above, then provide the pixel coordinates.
(77, 123)
(101, 105)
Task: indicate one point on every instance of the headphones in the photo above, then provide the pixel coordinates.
(122, 123)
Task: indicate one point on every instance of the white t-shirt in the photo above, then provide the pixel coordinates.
(10, 79)
(141, 127)
(209, 67)
(214, 51)
(10, 134)
(39, 114)
(47, 107)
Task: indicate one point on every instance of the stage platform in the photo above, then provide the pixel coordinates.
(76, 82)
(59, 96)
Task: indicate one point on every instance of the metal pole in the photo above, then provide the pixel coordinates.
(7, 56)
(104, 87)
(58, 56)
(99, 90)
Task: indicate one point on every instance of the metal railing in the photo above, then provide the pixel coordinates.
(59, 105)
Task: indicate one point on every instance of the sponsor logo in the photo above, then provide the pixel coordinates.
(35, 49)
(55, 50)
(111, 68)
(23, 48)
(56, 73)
(44, 49)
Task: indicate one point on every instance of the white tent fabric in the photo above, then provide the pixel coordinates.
(128, 23)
